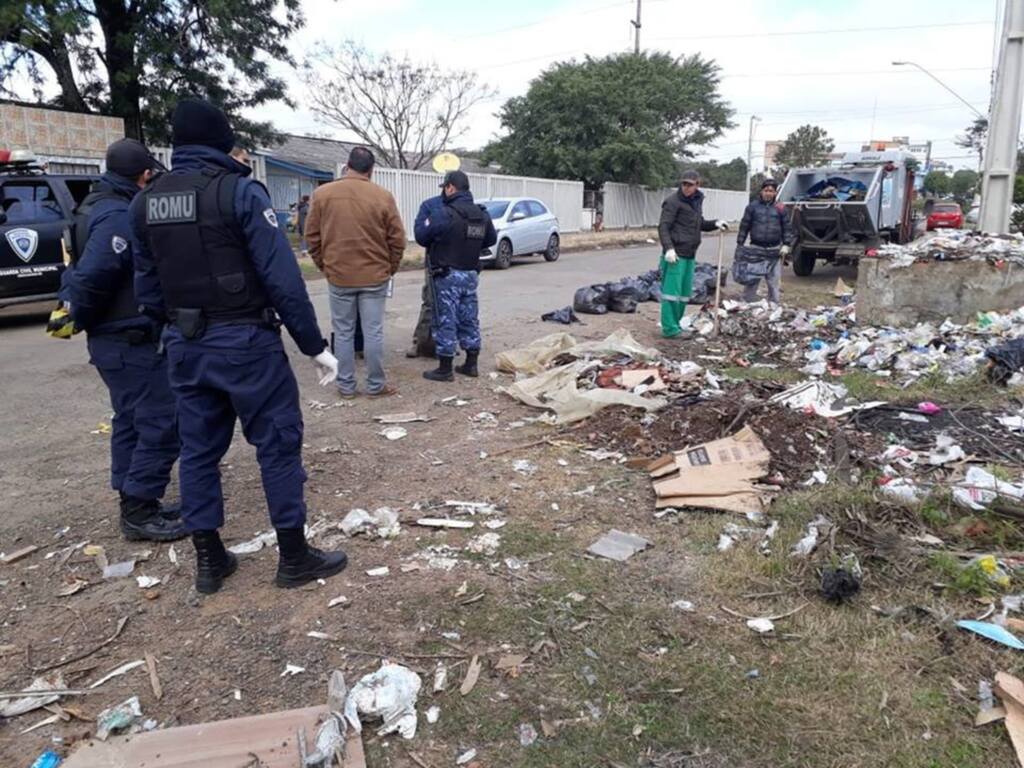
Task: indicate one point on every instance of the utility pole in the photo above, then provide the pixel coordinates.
(636, 31)
(1004, 124)
(750, 152)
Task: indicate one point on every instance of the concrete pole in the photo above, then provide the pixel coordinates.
(636, 33)
(750, 153)
(1000, 166)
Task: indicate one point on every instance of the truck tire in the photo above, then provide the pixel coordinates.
(803, 262)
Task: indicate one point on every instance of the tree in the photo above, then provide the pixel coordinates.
(937, 183)
(731, 175)
(135, 58)
(807, 146)
(625, 117)
(405, 112)
(974, 137)
(963, 186)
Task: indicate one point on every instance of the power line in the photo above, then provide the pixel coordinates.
(846, 30)
(729, 75)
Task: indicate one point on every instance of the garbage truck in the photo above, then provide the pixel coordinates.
(840, 212)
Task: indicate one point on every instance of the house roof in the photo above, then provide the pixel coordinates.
(321, 155)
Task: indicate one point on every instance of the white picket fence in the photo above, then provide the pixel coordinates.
(411, 188)
(627, 206)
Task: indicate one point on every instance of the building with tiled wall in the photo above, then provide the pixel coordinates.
(68, 142)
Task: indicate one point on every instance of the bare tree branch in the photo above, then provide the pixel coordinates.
(405, 112)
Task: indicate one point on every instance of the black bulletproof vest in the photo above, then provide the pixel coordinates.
(123, 305)
(199, 247)
(460, 246)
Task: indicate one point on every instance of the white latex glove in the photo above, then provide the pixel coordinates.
(326, 366)
(784, 251)
(722, 225)
(670, 256)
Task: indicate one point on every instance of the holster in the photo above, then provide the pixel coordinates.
(191, 322)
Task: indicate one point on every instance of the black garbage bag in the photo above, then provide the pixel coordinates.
(839, 584)
(565, 316)
(704, 283)
(642, 288)
(592, 299)
(1005, 360)
(624, 297)
(652, 280)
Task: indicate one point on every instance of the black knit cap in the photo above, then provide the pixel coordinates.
(457, 179)
(196, 121)
(129, 158)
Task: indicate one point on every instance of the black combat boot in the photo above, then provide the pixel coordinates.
(300, 563)
(469, 368)
(170, 511)
(213, 562)
(443, 372)
(143, 520)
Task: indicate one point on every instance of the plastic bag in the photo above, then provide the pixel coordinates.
(704, 283)
(592, 299)
(565, 316)
(1005, 360)
(623, 297)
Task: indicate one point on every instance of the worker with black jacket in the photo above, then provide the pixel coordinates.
(124, 345)
(679, 230)
(771, 236)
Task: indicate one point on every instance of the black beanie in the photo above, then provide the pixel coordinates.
(196, 121)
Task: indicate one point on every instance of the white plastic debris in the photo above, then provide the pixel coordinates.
(379, 571)
(117, 718)
(440, 677)
(524, 466)
(388, 694)
(979, 488)
(146, 582)
(336, 601)
(119, 570)
(465, 757)
(433, 714)
(761, 625)
(902, 489)
(946, 451)
(290, 670)
(527, 734)
(684, 605)
(254, 544)
(394, 433)
(485, 544)
(816, 529)
(444, 522)
(818, 397)
(382, 523)
(123, 669)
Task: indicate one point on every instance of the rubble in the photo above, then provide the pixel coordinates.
(616, 545)
(382, 523)
(957, 245)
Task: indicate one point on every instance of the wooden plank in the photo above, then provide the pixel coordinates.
(1010, 688)
(18, 554)
(154, 679)
(988, 716)
(271, 738)
(472, 675)
(1015, 725)
(354, 756)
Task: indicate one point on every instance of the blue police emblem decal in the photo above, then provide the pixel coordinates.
(23, 242)
(271, 217)
(118, 244)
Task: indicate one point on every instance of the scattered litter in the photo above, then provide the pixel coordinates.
(511, 664)
(565, 316)
(946, 451)
(382, 523)
(444, 522)
(619, 546)
(53, 681)
(929, 408)
(992, 632)
(433, 714)
(388, 694)
(527, 734)
(119, 570)
(290, 670)
(380, 571)
(117, 718)
(18, 554)
(72, 586)
(684, 605)
(336, 601)
(485, 544)
(840, 583)
(472, 675)
(400, 418)
(440, 677)
(394, 433)
(123, 669)
(524, 467)
(822, 399)
(472, 507)
(465, 757)
(495, 524)
(1011, 691)
(255, 544)
(842, 289)
(816, 529)
(48, 759)
(903, 489)
(761, 625)
(980, 488)
(147, 582)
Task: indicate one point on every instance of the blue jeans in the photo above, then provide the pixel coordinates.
(364, 306)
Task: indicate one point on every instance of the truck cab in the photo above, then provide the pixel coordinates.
(35, 209)
(840, 212)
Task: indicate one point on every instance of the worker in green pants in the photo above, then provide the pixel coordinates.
(679, 230)
(676, 287)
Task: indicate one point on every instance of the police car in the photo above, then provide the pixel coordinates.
(35, 209)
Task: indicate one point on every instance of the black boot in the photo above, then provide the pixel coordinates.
(300, 563)
(170, 511)
(213, 562)
(143, 520)
(469, 368)
(443, 372)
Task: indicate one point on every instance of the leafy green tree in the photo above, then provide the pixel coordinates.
(624, 117)
(937, 182)
(135, 59)
(974, 137)
(963, 186)
(731, 175)
(807, 146)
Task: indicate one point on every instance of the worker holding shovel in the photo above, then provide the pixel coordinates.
(680, 230)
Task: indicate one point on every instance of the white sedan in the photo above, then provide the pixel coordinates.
(525, 226)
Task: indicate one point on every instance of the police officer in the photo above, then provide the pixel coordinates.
(454, 230)
(771, 234)
(124, 345)
(210, 258)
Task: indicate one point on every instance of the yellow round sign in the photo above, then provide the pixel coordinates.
(446, 161)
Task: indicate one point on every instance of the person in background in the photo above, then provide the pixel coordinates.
(124, 345)
(357, 240)
(301, 213)
(454, 230)
(241, 154)
(771, 234)
(679, 230)
(211, 261)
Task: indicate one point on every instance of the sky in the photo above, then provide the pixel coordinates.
(789, 62)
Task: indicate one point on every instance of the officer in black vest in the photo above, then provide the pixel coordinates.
(124, 345)
(211, 260)
(454, 230)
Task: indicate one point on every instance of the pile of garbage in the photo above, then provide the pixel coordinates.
(575, 380)
(624, 295)
(957, 245)
(835, 188)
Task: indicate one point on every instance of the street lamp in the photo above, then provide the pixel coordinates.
(750, 151)
(933, 77)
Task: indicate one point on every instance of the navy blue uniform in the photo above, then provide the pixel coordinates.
(123, 346)
(454, 231)
(237, 366)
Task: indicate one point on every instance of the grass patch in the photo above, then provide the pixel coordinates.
(782, 375)
(975, 389)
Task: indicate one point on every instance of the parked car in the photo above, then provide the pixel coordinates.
(945, 216)
(525, 226)
(35, 209)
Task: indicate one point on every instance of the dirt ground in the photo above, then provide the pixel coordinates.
(613, 675)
